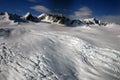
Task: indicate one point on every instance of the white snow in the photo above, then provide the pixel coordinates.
(46, 18)
(41, 51)
(26, 15)
(4, 19)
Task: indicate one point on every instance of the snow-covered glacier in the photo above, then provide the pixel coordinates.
(44, 51)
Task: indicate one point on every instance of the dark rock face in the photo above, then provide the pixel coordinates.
(32, 18)
(16, 18)
(96, 21)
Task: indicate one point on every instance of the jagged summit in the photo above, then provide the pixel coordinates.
(61, 19)
(28, 16)
(54, 18)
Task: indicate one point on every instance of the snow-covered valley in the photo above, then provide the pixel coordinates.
(44, 51)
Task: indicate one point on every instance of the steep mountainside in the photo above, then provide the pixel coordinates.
(29, 17)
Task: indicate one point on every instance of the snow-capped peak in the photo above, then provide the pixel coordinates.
(27, 14)
(91, 21)
(6, 18)
(54, 18)
(7, 15)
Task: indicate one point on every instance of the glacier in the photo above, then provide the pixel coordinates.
(44, 51)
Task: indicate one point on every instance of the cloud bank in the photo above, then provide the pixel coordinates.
(83, 12)
(40, 8)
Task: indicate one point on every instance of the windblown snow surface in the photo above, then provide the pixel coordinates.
(45, 51)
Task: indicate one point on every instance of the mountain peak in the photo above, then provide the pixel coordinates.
(54, 18)
(28, 16)
(91, 21)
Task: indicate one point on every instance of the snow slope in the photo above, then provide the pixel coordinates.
(44, 51)
(61, 19)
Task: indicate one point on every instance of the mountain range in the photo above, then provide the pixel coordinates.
(49, 18)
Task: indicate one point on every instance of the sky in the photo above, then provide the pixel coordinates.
(73, 8)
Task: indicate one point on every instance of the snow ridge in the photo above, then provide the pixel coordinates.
(60, 19)
(51, 18)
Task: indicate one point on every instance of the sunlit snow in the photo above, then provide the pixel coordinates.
(43, 51)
